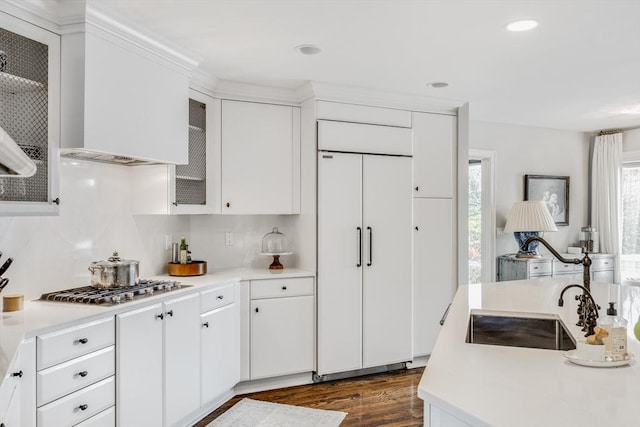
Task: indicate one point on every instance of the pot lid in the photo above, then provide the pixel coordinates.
(114, 261)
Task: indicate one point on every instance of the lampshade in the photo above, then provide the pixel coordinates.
(529, 216)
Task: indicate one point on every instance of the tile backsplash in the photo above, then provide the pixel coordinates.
(54, 252)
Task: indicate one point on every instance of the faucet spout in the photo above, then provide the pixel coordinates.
(585, 261)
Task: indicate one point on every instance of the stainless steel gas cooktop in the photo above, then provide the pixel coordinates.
(111, 296)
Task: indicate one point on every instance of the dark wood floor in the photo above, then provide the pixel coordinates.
(388, 399)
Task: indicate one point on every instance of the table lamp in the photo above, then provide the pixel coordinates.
(527, 219)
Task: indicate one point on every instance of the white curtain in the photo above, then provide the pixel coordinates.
(606, 208)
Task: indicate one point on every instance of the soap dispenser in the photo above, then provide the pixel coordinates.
(616, 342)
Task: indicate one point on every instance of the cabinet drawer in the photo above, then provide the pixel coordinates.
(602, 264)
(103, 419)
(79, 406)
(561, 268)
(540, 268)
(215, 298)
(67, 377)
(276, 288)
(66, 344)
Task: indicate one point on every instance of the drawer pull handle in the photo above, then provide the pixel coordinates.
(83, 407)
(220, 296)
(160, 316)
(284, 288)
(205, 324)
(83, 374)
(82, 341)
(535, 268)
(17, 374)
(170, 313)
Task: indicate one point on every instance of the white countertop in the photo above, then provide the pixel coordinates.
(40, 317)
(498, 386)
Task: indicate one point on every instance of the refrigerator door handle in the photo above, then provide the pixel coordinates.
(370, 263)
(359, 264)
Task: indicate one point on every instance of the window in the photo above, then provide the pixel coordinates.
(630, 258)
(475, 221)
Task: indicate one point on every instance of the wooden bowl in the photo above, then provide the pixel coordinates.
(194, 268)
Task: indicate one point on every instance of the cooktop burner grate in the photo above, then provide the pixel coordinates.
(111, 296)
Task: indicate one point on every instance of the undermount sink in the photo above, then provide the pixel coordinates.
(519, 330)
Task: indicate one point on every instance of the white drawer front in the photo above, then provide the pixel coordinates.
(103, 419)
(66, 344)
(362, 138)
(540, 268)
(276, 288)
(216, 298)
(561, 268)
(79, 406)
(67, 377)
(602, 264)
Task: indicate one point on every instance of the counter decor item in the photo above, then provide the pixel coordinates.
(528, 219)
(193, 268)
(275, 244)
(13, 302)
(114, 272)
(615, 340)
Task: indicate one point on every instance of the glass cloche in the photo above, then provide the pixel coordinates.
(275, 244)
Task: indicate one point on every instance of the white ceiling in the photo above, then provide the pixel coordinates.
(578, 70)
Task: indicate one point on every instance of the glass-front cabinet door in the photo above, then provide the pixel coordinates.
(29, 118)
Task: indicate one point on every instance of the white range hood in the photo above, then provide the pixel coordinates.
(13, 160)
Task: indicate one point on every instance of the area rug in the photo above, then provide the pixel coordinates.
(256, 413)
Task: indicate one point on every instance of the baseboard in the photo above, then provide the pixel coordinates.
(274, 383)
(205, 410)
(359, 372)
(418, 362)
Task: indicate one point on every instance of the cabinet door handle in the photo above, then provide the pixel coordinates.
(284, 288)
(56, 201)
(83, 374)
(228, 204)
(370, 263)
(205, 324)
(444, 316)
(170, 313)
(83, 407)
(257, 310)
(417, 229)
(417, 188)
(220, 296)
(82, 341)
(160, 316)
(359, 264)
(175, 203)
(17, 374)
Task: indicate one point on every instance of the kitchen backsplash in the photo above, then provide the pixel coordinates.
(52, 253)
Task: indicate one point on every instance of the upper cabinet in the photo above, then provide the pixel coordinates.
(120, 99)
(30, 115)
(188, 188)
(259, 171)
(434, 143)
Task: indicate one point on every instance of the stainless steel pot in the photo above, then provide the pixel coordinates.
(115, 272)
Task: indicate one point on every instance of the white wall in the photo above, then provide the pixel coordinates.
(631, 140)
(53, 253)
(525, 150)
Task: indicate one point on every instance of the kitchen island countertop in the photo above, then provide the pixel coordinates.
(498, 386)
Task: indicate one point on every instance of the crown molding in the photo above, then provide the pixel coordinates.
(251, 92)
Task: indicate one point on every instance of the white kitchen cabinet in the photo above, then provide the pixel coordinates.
(17, 391)
(158, 362)
(282, 327)
(120, 100)
(188, 188)
(220, 351)
(260, 158)
(434, 137)
(433, 270)
(364, 261)
(30, 115)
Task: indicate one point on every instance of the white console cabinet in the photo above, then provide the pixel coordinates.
(512, 268)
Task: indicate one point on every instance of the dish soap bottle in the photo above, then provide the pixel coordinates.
(616, 343)
(183, 250)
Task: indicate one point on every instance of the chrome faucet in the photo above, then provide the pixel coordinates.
(587, 307)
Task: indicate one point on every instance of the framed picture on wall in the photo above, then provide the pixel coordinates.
(553, 190)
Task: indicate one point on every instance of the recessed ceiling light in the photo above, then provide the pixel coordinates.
(438, 85)
(309, 49)
(525, 25)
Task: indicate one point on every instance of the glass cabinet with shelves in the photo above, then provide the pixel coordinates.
(29, 115)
